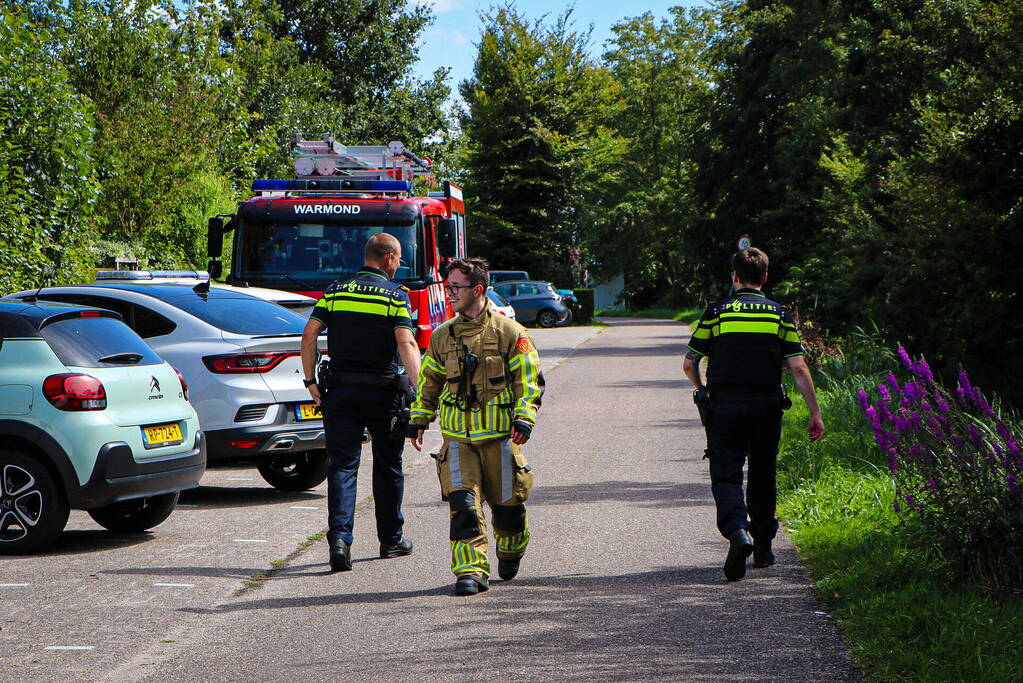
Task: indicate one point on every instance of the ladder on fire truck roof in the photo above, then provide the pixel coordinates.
(327, 157)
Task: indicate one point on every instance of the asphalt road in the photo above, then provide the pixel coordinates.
(622, 580)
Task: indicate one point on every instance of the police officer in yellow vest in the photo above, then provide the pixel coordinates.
(482, 374)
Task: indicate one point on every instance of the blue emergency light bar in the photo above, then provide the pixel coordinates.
(332, 185)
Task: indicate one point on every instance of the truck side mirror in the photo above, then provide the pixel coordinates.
(447, 237)
(215, 237)
(215, 269)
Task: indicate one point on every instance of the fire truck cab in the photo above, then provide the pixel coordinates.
(300, 235)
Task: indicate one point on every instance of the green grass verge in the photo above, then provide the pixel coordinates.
(903, 613)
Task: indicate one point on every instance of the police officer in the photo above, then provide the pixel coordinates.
(747, 338)
(369, 326)
(482, 373)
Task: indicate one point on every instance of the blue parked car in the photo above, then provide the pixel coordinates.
(534, 302)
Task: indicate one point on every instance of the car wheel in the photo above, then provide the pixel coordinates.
(33, 510)
(546, 318)
(568, 320)
(299, 472)
(138, 514)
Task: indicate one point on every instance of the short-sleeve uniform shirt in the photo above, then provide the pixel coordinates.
(747, 337)
(361, 315)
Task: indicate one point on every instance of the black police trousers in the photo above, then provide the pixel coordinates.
(741, 426)
(346, 411)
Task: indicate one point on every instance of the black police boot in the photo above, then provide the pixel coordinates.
(762, 555)
(340, 556)
(740, 546)
(471, 584)
(402, 547)
(508, 569)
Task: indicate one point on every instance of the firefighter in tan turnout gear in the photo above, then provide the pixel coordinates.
(482, 374)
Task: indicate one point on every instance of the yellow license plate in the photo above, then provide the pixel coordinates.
(162, 435)
(308, 411)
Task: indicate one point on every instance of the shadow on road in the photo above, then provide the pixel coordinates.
(80, 541)
(648, 384)
(670, 623)
(658, 350)
(238, 496)
(642, 494)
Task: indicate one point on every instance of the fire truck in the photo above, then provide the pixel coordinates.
(300, 235)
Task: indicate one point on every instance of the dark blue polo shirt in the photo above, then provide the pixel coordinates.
(747, 337)
(361, 315)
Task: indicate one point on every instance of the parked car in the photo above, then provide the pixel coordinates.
(500, 304)
(506, 275)
(240, 356)
(90, 418)
(534, 302)
(300, 303)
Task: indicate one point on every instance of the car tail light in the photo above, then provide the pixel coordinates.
(245, 444)
(184, 384)
(75, 392)
(246, 362)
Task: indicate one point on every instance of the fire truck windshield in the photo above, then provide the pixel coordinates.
(312, 255)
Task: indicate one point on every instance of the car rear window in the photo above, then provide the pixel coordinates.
(244, 315)
(82, 342)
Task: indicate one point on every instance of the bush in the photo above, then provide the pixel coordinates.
(957, 467)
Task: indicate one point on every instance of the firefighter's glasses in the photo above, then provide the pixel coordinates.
(453, 289)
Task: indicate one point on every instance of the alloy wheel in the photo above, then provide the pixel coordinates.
(21, 503)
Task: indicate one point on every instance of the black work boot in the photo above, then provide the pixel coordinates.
(508, 569)
(340, 556)
(762, 555)
(740, 546)
(402, 547)
(471, 584)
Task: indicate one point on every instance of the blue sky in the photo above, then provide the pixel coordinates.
(451, 40)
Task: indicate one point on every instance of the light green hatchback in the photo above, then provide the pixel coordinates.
(90, 418)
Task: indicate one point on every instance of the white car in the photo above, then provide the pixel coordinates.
(300, 303)
(500, 304)
(240, 356)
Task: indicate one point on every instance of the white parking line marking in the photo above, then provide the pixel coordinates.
(13, 585)
(249, 540)
(186, 505)
(71, 647)
(303, 507)
(175, 585)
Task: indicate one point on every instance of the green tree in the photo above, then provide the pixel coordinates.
(46, 167)
(538, 147)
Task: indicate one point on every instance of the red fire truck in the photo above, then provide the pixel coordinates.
(300, 235)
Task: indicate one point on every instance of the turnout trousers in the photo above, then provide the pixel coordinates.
(494, 471)
(742, 426)
(346, 411)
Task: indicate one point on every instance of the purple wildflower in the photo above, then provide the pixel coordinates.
(893, 460)
(961, 396)
(964, 382)
(904, 357)
(976, 437)
(978, 398)
(926, 406)
(893, 383)
(942, 406)
(896, 506)
(1012, 483)
(864, 402)
(923, 371)
(932, 485)
(883, 390)
(910, 500)
(1003, 431)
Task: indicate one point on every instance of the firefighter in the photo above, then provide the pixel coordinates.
(369, 326)
(482, 373)
(747, 338)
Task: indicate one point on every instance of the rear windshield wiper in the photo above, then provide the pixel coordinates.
(127, 357)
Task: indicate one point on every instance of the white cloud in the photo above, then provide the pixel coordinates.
(436, 34)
